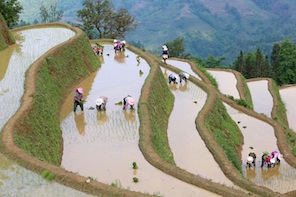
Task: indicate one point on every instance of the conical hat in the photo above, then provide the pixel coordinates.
(99, 101)
(80, 90)
(131, 101)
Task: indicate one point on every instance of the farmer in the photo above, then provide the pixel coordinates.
(78, 95)
(128, 101)
(172, 78)
(264, 158)
(183, 76)
(165, 53)
(252, 154)
(101, 103)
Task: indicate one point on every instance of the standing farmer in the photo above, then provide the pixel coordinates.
(78, 95)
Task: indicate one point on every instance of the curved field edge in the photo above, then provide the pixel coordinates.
(49, 80)
(208, 135)
(146, 145)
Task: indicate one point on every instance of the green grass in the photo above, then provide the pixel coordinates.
(161, 103)
(39, 133)
(225, 132)
(281, 117)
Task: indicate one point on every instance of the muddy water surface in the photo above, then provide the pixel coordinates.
(103, 145)
(260, 136)
(226, 82)
(261, 97)
(183, 66)
(189, 150)
(14, 61)
(288, 95)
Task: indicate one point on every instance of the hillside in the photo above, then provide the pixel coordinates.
(209, 27)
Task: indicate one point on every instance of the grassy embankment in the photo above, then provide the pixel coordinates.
(6, 37)
(279, 115)
(38, 133)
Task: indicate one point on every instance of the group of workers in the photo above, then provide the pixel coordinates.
(101, 102)
(266, 159)
(182, 76)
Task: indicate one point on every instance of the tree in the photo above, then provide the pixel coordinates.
(10, 10)
(249, 62)
(258, 63)
(287, 63)
(99, 14)
(176, 47)
(274, 62)
(51, 14)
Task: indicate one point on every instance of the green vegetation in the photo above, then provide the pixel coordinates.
(10, 10)
(135, 166)
(281, 67)
(281, 117)
(247, 94)
(6, 38)
(100, 15)
(160, 106)
(135, 180)
(51, 14)
(39, 133)
(226, 132)
(47, 175)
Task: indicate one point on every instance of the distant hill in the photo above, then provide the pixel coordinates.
(209, 27)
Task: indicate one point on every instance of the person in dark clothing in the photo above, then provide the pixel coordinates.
(165, 53)
(172, 78)
(78, 96)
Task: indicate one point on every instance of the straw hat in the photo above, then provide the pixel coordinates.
(80, 90)
(250, 159)
(99, 101)
(131, 101)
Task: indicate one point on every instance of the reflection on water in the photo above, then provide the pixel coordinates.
(119, 57)
(267, 173)
(129, 115)
(5, 56)
(251, 172)
(102, 117)
(30, 45)
(261, 97)
(108, 148)
(189, 150)
(288, 95)
(183, 87)
(79, 120)
(260, 136)
(226, 82)
(184, 66)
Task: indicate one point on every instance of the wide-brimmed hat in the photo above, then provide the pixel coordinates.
(131, 101)
(250, 159)
(80, 90)
(99, 101)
